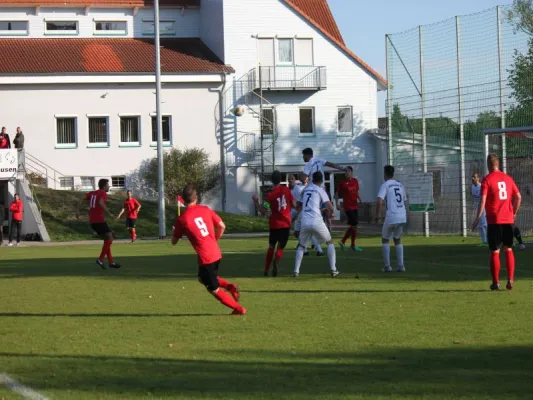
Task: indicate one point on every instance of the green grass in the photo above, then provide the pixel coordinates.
(59, 214)
(150, 331)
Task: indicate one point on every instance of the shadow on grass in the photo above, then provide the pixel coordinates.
(443, 373)
(107, 315)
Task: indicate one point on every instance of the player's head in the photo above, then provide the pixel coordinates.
(190, 195)
(292, 181)
(493, 162)
(276, 177)
(317, 178)
(388, 172)
(103, 184)
(17, 197)
(475, 178)
(349, 172)
(303, 178)
(307, 153)
(130, 194)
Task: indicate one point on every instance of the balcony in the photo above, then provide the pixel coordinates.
(290, 77)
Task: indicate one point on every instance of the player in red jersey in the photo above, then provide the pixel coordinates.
(281, 203)
(97, 205)
(132, 208)
(348, 190)
(501, 200)
(203, 227)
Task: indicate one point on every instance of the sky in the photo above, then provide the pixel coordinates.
(364, 23)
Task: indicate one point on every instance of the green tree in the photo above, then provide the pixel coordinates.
(521, 16)
(183, 167)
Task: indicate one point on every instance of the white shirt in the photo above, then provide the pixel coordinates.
(296, 193)
(312, 197)
(315, 164)
(476, 193)
(393, 193)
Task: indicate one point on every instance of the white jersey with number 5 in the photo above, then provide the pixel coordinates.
(315, 164)
(312, 198)
(393, 193)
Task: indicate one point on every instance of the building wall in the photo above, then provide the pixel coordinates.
(212, 26)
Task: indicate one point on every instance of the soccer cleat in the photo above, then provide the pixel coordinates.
(522, 247)
(335, 273)
(265, 273)
(239, 311)
(101, 264)
(274, 268)
(509, 285)
(114, 265)
(295, 275)
(306, 253)
(319, 253)
(342, 246)
(387, 269)
(495, 286)
(357, 249)
(10, 245)
(234, 291)
(400, 269)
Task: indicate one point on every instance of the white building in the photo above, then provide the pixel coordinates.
(77, 76)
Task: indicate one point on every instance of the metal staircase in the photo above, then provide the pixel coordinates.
(249, 140)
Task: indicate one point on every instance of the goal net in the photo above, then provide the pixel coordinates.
(514, 146)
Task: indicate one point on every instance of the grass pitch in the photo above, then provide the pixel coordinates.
(150, 331)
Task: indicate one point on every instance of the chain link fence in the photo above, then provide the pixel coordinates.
(448, 82)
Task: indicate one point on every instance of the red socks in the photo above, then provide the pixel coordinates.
(103, 252)
(509, 258)
(354, 236)
(495, 267)
(227, 299)
(224, 284)
(106, 251)
(279, 254)
(268, 260)
(347, 235)
(133, 234)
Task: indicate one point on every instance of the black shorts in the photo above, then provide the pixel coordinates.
(207, 275)
(498, 234)
(279, 236)
(101, 228)
(352, 217)
(130, 222)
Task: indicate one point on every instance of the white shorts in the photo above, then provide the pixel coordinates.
(392, 231)
(298, 225)
(319, 230)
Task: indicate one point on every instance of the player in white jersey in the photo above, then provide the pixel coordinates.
(311, 198)
(315, 164)
(476, 194)
(393, 194)
(296, 189)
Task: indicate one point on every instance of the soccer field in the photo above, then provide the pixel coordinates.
(149, 330)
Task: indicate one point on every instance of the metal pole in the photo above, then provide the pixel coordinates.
(487, 151)
(423, 112)
(502, 106)
(389, 101)
(222, 142)
(159, 126)
(461, 127)
(261, 129)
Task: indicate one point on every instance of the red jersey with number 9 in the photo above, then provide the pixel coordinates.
(500, 190)
(96, 213)
(198, 224)
(280, 199)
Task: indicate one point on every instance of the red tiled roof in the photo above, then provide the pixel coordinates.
(125, 3)
(318, 13)
(106, 55)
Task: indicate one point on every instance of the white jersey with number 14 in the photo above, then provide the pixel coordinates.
(393, 193)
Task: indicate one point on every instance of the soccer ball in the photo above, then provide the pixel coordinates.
(239, 111)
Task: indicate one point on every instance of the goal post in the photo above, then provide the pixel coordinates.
(515, 148)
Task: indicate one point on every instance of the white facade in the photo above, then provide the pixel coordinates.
(237, 33)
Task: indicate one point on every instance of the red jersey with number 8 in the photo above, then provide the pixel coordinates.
(96, 213)
(280, 199)
(500, 190)
(198, 224)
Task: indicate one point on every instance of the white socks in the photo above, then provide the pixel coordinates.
(316, 244)
(298, 259)
(386, 254)
(483, 233)
(399, 254)
(332, 257)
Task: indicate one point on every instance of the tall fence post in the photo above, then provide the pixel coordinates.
(423, 115)
(461, 126)
(501, 81)
(389, 101)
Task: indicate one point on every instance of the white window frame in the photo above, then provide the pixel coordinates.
(279, 39)
(15, 33)
(118, 187)
(165, 143)
(306, 134)
(71, 187)
(139, 132)
(61, 33)
(339, 133)
(86, 188)
(99, 144)
(160, 21)
(110, 33)
(67, 145)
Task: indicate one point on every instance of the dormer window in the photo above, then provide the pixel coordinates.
(61, 27)
(13, 28)
(110, 27)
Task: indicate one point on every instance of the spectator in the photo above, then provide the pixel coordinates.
(19, 139)
(5, 143)
(16, 209)
(2, 219)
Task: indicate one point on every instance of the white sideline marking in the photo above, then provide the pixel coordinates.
(16, 387)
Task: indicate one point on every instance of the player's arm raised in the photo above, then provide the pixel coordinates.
(335, 166)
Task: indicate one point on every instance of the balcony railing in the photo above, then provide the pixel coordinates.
(289, 77)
